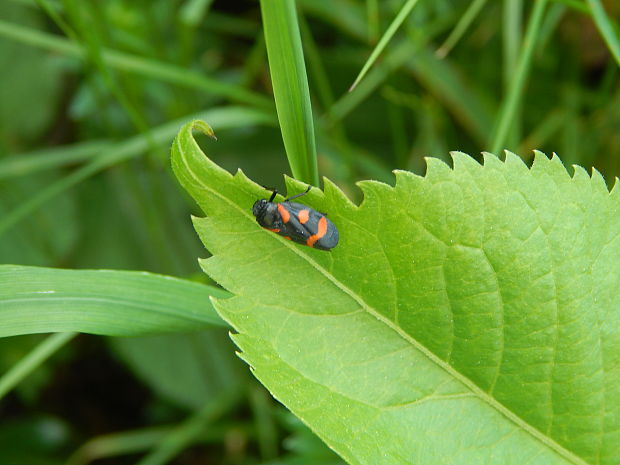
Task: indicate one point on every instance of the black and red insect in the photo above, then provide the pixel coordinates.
(296, 222)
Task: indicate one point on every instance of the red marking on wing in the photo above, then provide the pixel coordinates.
(320, 232)
(286, 216)
(304, 216)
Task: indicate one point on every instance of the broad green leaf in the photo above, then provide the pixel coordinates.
(468, 316)
(113, 303)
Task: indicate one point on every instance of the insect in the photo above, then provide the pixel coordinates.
(296, 222)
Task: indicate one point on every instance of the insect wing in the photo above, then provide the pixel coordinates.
(309, 227)
(294, 228)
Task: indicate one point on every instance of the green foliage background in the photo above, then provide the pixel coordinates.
(92, 94)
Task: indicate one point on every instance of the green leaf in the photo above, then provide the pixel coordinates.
(113, 303)
(468, 316)
(290, 87)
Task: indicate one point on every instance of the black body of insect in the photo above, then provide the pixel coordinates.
(296, 222)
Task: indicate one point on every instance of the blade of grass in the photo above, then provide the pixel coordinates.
(511, 102)
(55, 157)
(254, 61)
(325, 97)
(545, 129)
(459, 96)
(136, 64)
(346, 17)
(87, 38)
(91, 41)
(290, 87)
(221, 118)
(86, 31)
(398, 129)
(605, 27)
(511, 43)
(553, 19)
(111, 303)
(473, 10)
(116, 444)
(229, 25)
(189, 430)
(144, 206)
(372, 15)
(577, 5)
(397, 57)
(320, 80)
(391, 30)
(445, 82)
(30, 362)
(436, 75)
(194, 11)
(263, 410)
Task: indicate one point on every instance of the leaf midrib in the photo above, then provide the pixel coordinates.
(482, 395)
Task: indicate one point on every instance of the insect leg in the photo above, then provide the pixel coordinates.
(298, 195)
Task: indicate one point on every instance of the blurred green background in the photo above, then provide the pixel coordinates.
(91, 95)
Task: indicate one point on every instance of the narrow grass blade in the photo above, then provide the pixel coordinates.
(372, 14)
(30, 362)
(112, 303)
(347, 17)
(84, 33)
(391, 30)
(188, 431)
(459, 96)
(194, 11)
(220, 117)
(263, 411)
(515, 92)
(290, 87)
(473, 10)
(115, 444)
(136, 64)
(396, 57)
(606, 28)
(512, 21)
(436, 75)
(55, 157)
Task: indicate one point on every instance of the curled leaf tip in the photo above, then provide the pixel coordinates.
(204, 127)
